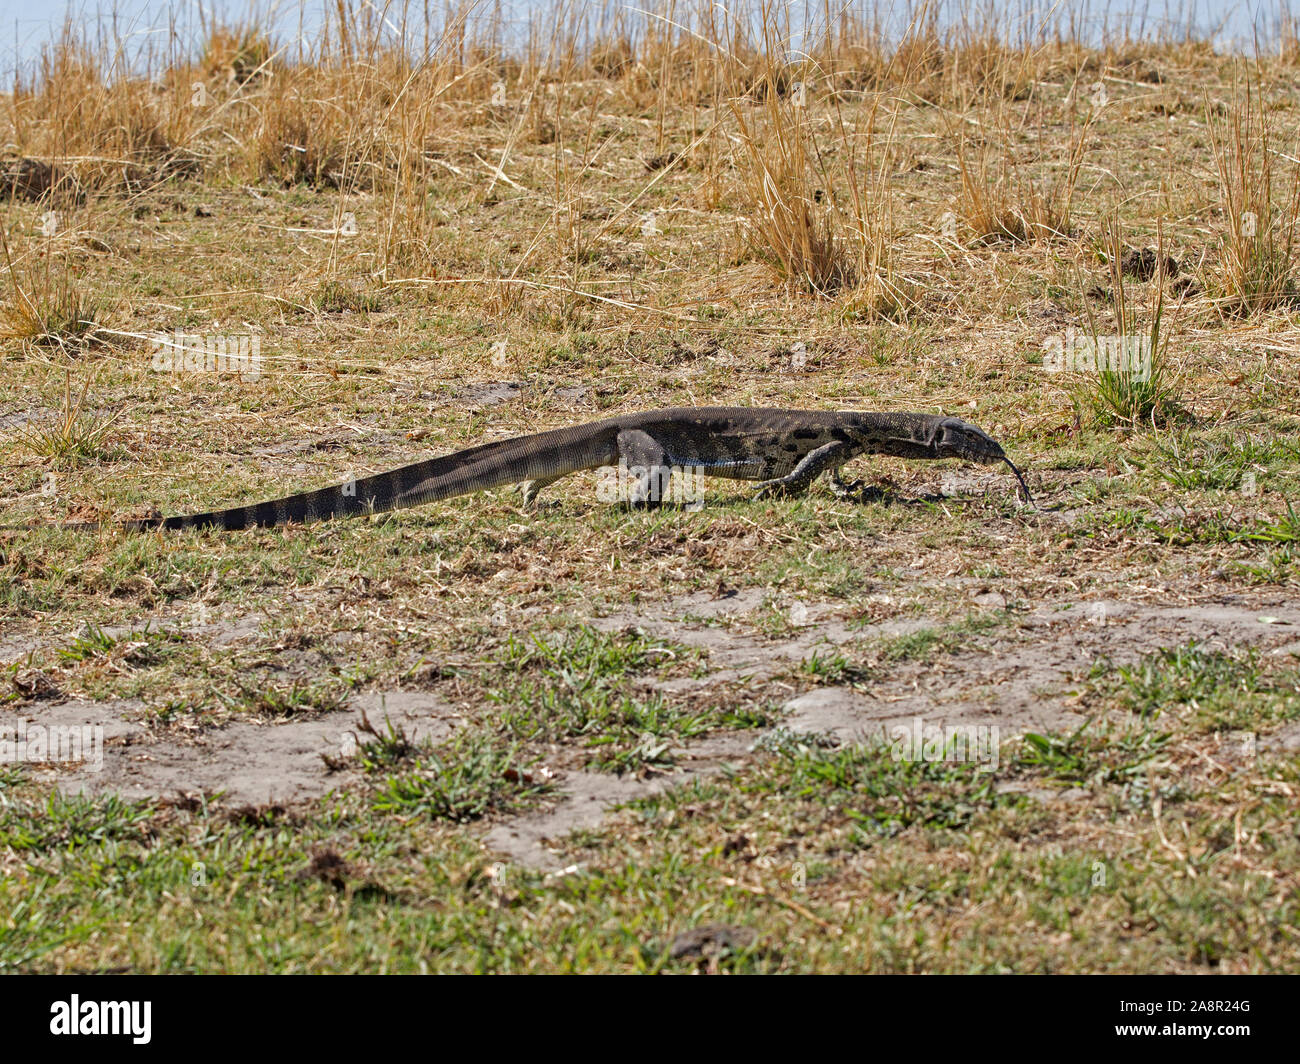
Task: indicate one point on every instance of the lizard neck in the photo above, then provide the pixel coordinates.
(900, 435)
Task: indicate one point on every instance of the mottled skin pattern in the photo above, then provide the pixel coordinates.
(783, 449)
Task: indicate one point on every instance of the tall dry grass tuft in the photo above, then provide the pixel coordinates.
(1260, 184)
(236, 54)
(1018, 194)
(307, 130)
(792, 229)
(49, 307)
(408, 239)
(819, 215)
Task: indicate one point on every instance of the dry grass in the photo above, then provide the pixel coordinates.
(1259, 178)
(1009, 192)
(793, 227)
(46, 306)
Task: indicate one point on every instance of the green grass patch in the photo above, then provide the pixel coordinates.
(464, 779)
(878, 794)
(578, 686)
(1090, 758)
(1213, 689)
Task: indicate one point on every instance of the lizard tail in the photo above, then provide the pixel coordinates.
(490, 465)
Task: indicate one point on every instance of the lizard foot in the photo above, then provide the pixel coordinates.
(778, 489)
(530, 489)
(858, 491)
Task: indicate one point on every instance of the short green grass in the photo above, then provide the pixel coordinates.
(573, 687)
(838, 859)
(1213, 689)
(464, 779)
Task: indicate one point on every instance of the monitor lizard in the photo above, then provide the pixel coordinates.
(785, 450)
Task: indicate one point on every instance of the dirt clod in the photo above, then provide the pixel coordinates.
(1144, 264)
(711, 941)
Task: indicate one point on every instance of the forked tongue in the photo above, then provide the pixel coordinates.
(1024, 488)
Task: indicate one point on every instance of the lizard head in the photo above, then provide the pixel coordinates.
(926, 436)
(950, 437)
(919, 436)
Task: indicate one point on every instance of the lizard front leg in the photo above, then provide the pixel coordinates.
(648, 465)
(813, 464)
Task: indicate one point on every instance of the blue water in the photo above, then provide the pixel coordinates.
(140, 28)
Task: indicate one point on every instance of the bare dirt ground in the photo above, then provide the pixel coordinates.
(1024, 680)
(247, 764)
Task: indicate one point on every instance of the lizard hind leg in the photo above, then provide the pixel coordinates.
(530, 489)
(647, 466)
